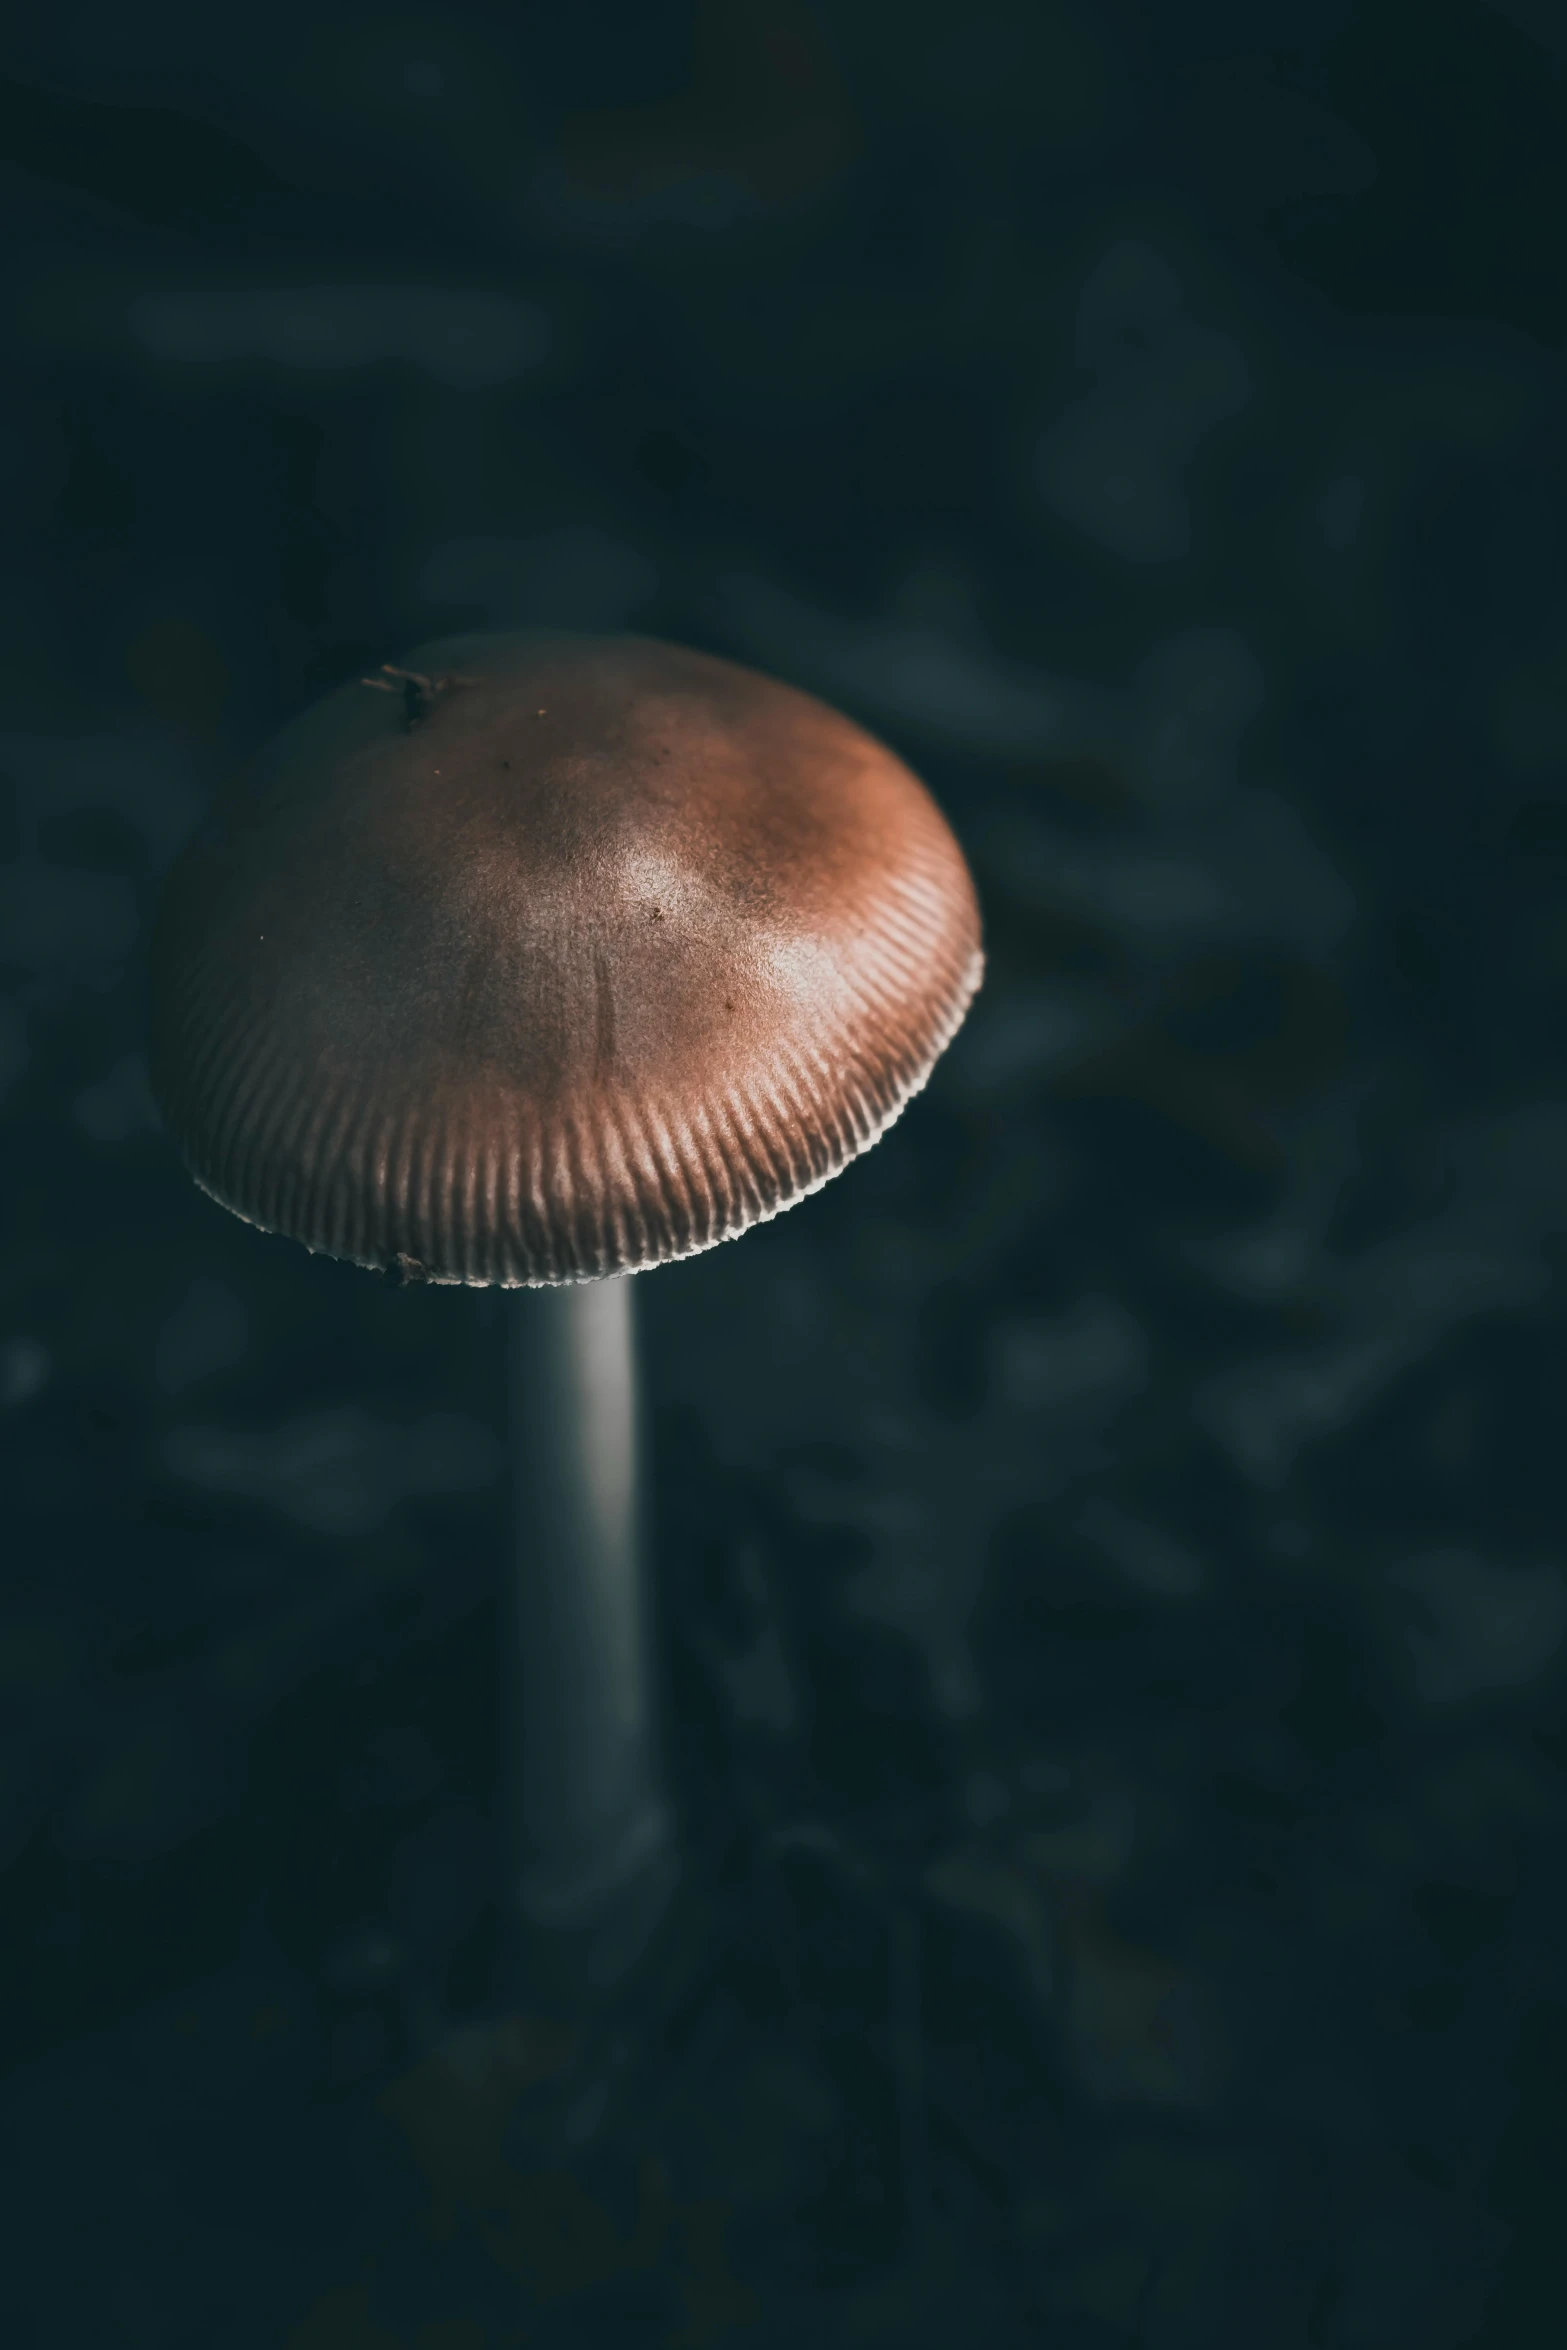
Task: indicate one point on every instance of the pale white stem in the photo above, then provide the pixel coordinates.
(592, 1831)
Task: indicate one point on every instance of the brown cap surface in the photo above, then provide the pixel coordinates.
(585, 961)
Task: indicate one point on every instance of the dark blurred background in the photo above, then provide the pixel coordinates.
(1111, 1543)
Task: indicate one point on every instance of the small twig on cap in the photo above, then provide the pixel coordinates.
(420, 694)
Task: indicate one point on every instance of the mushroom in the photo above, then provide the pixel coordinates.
(557, 959)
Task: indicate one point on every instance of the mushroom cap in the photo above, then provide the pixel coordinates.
(577, 956)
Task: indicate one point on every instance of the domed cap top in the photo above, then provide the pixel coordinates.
(558, 958)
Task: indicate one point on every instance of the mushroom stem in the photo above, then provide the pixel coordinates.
(592, 1854)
